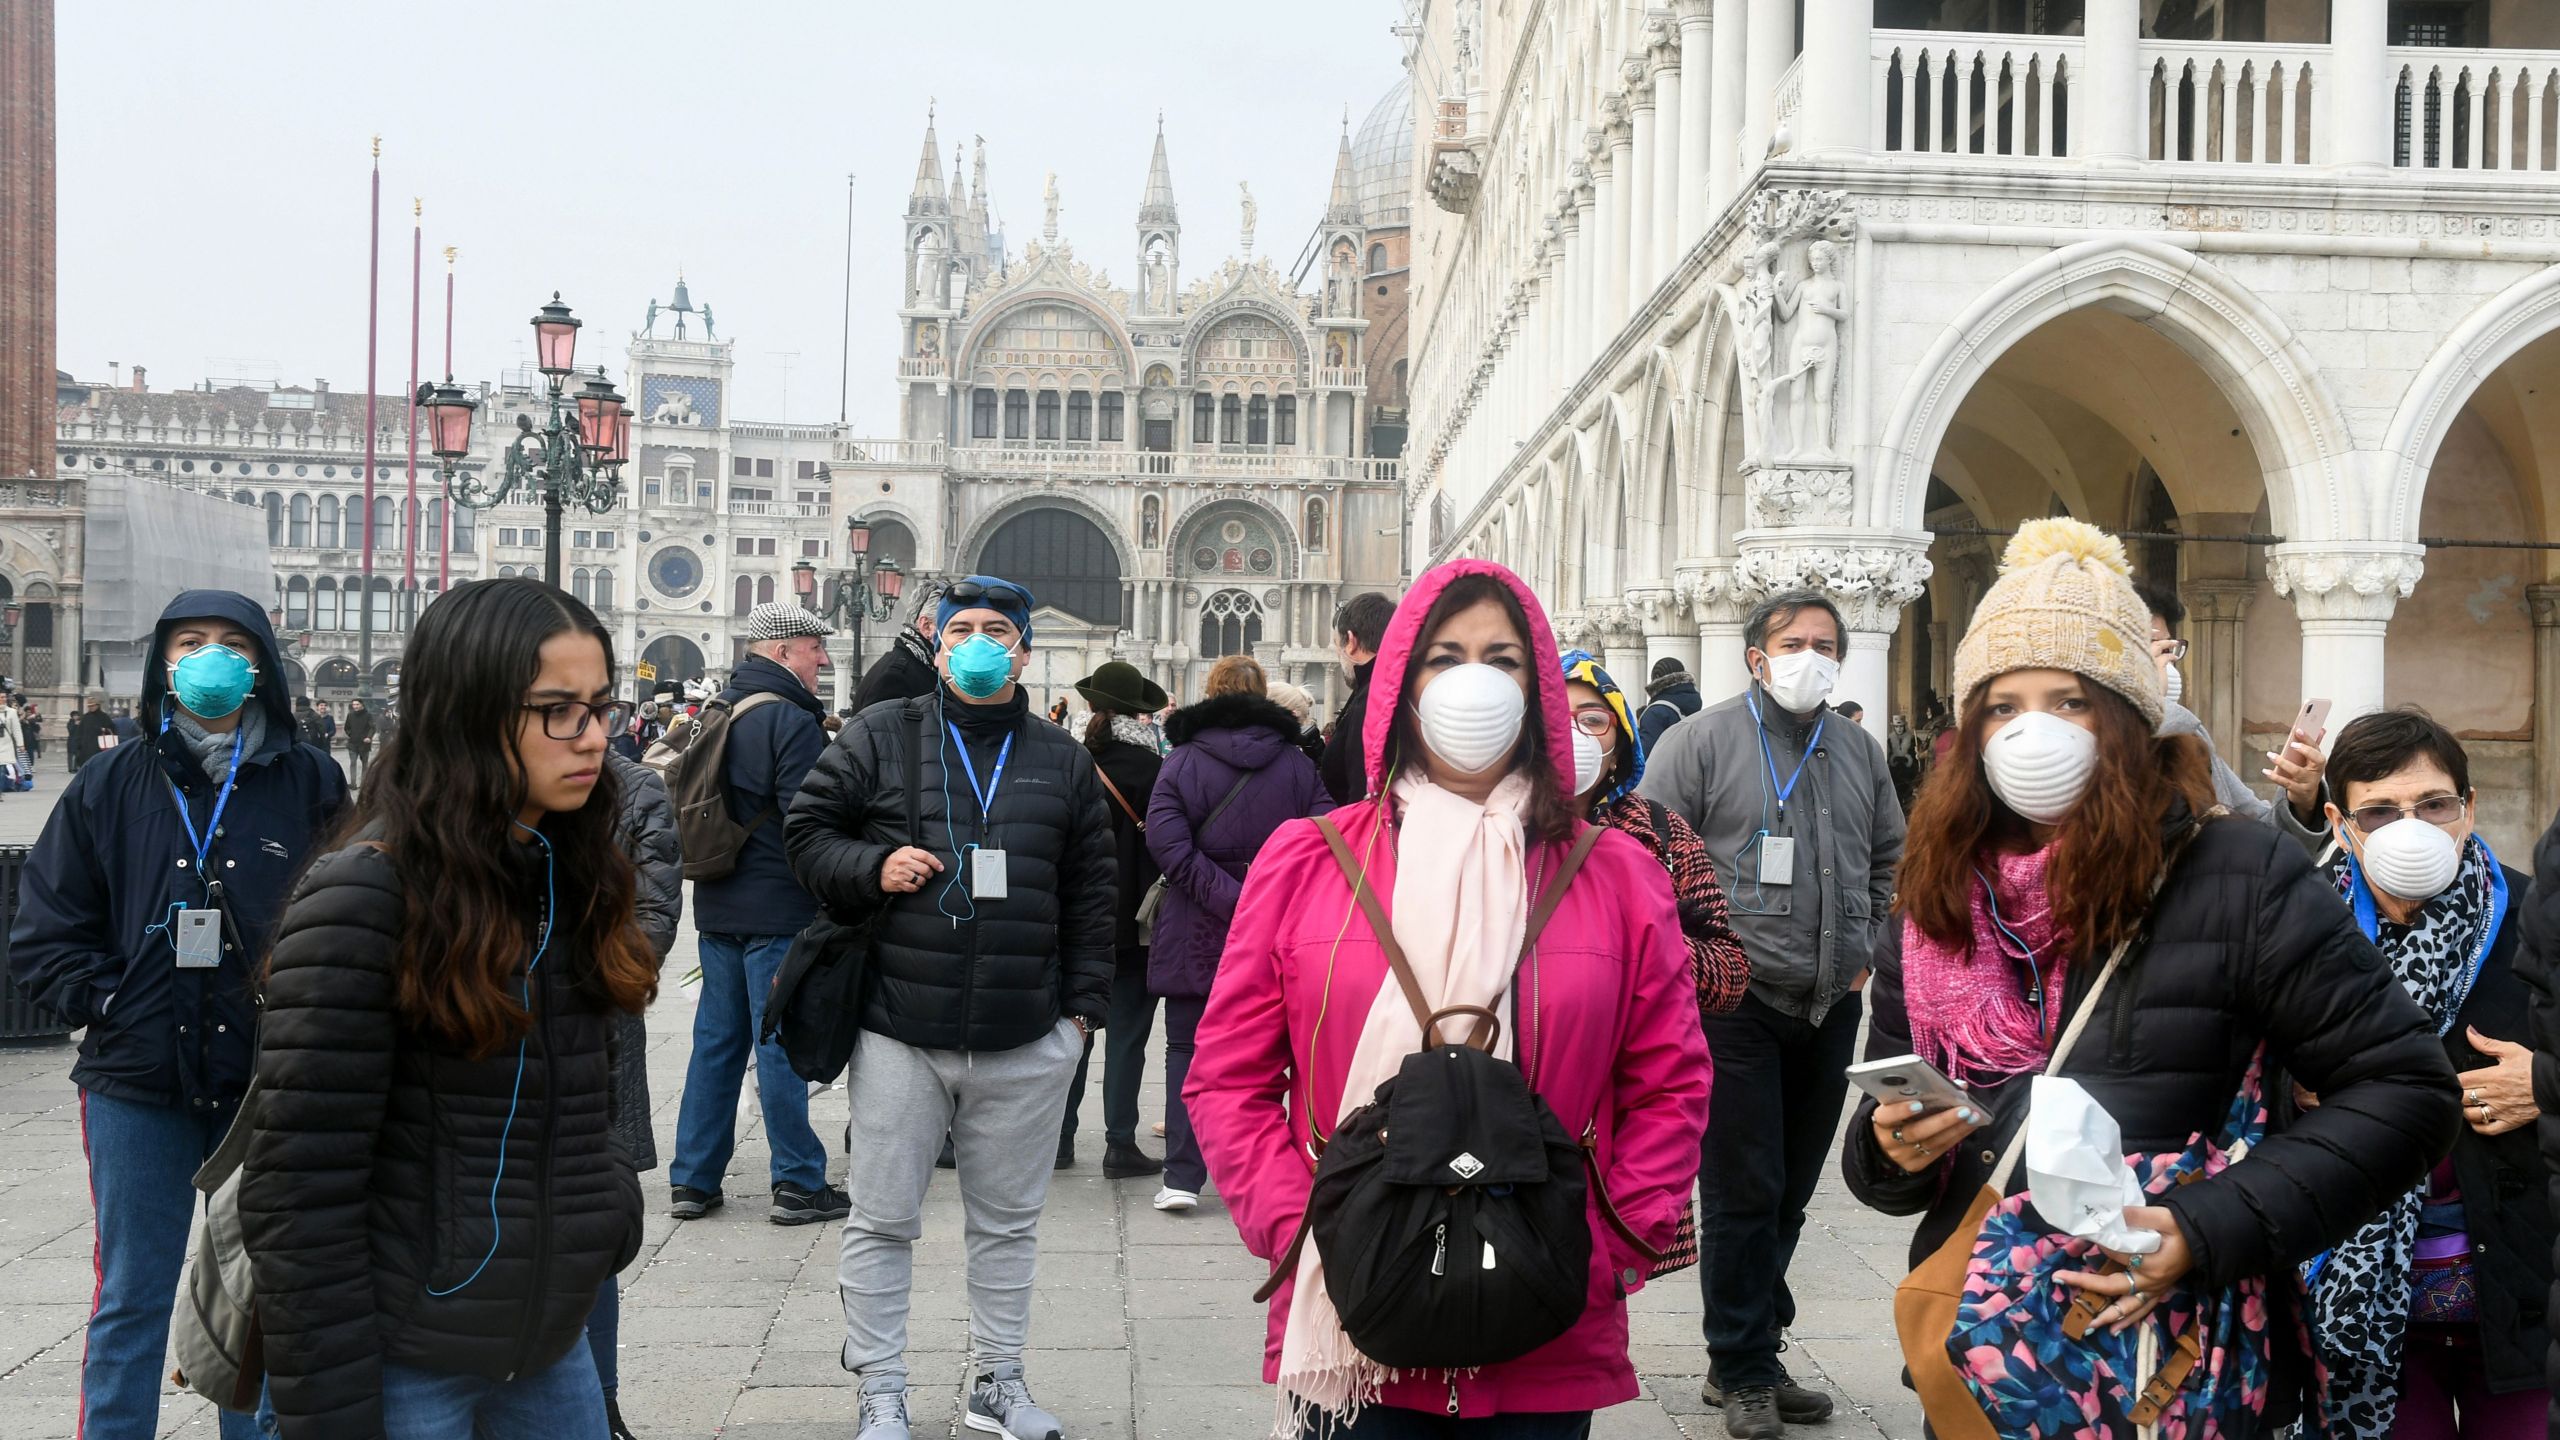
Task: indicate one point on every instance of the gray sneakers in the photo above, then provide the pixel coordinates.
(1000, 1404)
(884, 1416)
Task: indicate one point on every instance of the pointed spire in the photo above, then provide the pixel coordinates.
(1158, 208)
(1344, 208)
(929, 194)
(959, 187)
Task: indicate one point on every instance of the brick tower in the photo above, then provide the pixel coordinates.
(26, 238)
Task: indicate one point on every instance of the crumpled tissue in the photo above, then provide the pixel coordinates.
(2076, 1170)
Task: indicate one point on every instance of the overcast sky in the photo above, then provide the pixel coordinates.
(213, 166)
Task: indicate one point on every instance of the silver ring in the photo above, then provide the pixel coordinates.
(2472, 1095)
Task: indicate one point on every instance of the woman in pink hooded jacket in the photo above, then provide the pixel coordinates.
(1304, 1022)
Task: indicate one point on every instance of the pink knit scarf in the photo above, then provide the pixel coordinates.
(1968, 1003)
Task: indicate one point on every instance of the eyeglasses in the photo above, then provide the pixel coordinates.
(1005, 596)
(2174, 649)
(569, 719)
(2435, 810)
(1594, 723)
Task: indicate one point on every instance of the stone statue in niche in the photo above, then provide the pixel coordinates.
(1150, 522)
(1817, 309)
(1159, 280)
(1791, 310)
(1754, 304)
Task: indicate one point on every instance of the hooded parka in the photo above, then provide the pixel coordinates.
(1218, 744)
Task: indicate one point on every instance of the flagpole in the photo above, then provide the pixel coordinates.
(409, 525)
(444, 512)
(844, 357)
(372, 333)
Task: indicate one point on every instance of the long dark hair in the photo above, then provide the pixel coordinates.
(443, 798)
(2106, 852)
(1551, 813)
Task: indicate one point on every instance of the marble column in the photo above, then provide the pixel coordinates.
(1643, 140)
(2215, 678)
(1769, 42)
(1839, 85)
(1664, 618)
(1728, 107)
(2359, 90)
(1717, 606)
(1693, 163)
(2111, 106)
(1670, 141)
(2544, 601)
(1563, 311)
(1604, 245)
(1627, 183)
(2345, 591)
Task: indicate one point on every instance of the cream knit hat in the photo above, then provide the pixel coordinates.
(2064, 601)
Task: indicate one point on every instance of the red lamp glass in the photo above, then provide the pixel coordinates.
(621, 449)
(599, 407)
(857, 538)
(12, 614)
(804, 579)
(555, 337)
(449, 410)
(887, 580)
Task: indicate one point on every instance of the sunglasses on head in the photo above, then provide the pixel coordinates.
(1004, 596)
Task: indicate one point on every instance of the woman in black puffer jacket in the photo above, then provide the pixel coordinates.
(2031, 860)
(432, 1192)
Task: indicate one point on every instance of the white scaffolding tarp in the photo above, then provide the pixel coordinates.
(148, 541)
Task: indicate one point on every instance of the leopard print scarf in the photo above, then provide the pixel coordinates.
(2360, 1290)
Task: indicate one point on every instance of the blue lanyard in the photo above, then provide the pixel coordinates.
(2370, 922)
(1771, 760)
(986, 798)
(203, 844)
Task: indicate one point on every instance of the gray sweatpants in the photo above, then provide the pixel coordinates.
(1002, 1110)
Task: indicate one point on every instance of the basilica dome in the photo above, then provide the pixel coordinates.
(1382, 160)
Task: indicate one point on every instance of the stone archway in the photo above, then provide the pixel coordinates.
(677, 660)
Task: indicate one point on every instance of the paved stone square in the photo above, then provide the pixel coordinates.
(1142, 1324)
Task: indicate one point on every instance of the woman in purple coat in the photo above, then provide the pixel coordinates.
(1235, 775)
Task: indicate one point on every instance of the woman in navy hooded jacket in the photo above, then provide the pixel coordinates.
(216, 807)
(1235, 775)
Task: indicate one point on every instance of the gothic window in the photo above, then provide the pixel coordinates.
(297, 604)
(1204, 425)
(742, 597)
(1230, 419)
(1284, 420)
(1257, 421)
(298, 533)
(604, 590)
(1230, 624)
(982, 414)
(1377, 259)
(1111, 402)
(1079, 416)
(324, 594)
(325, 534)
(1048, 415)
(1017, 415)
(1315, 523)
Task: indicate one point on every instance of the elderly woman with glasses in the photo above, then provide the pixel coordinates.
(2434, 1310)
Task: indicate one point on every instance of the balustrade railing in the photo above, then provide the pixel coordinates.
(929, 367)
(1343, 377)
(890, 452)
(784, 509)
(1992, 96)
(2490, 112)
(2224, 103)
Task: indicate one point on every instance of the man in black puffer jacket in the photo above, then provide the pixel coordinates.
(994, 931)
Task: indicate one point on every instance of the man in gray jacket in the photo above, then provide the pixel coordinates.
(1798, 812)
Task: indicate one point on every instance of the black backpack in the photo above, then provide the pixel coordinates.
(815, 1006)
(1450, 1211)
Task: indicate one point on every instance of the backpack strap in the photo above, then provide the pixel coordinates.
(915, 784)
(741, 707)
(1125, 807)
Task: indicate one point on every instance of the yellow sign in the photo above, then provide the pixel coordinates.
(645, 670)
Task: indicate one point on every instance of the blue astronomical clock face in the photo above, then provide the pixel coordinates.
(680, 400)
(675, 571)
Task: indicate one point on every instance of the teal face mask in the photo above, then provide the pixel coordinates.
(981, 665)
(212, 680)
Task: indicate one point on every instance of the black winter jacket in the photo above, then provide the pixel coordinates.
(1674, 698)
(2505, 1209)
(2538, 966)
(114, 856)
(1346, 752)
(1133, 768)
(906, 672)
(2246, 944)
(1005, 974)
(770, 748)
(646, 832)
(369, 1178)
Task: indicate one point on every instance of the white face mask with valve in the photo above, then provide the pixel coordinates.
(2039, 765)
(2411, 860)
(1471, 716)
(1801, 680)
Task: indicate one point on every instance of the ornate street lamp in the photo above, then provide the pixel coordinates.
(866, 590)
(576, 458)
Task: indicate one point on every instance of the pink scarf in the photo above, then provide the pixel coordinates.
(1968, 1004)
(1459, 912)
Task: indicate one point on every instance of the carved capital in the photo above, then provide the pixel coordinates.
(2544, 602)
(1698, 13)
(2217, 602)
(1631, 72)
(1661, 43)
(2346, 580)
(1616, 627)
(1779, 216)
(1778, 495)
(1595, 145)
(1871, 575)
(1657, 609)
(1712, 593)
(1573, 629)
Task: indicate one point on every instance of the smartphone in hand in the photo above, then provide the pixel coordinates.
(1901, 1079)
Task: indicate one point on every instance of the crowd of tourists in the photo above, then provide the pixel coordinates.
(1502, 993)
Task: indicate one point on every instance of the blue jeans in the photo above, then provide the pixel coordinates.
(737, 974)
(142, 1199)
(604, 1333)
(561, 1403)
